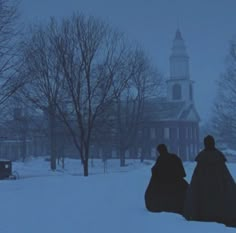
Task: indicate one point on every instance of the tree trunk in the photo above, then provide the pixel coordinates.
(63, 162)
(23, 147)
(53, 163)
(142, 158)
(52, 139)
(122, 158)
(85, 165)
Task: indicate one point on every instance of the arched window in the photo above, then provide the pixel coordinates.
(190, 92)
(176, 92)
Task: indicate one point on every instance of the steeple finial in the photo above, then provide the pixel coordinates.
(178, 35)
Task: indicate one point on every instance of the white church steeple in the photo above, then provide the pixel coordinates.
(179, 85)
(179, 60)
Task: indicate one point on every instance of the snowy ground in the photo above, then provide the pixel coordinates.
(42, 201)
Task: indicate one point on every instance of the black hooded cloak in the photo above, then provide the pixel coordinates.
(212, 192)
(167, 187)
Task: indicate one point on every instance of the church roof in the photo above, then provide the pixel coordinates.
(159, 110)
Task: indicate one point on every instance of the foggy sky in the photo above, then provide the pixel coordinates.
(207, 26)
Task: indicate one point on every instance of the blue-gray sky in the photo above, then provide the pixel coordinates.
(207, 26)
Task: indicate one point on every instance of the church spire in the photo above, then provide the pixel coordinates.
(179, 60)
(180, 87)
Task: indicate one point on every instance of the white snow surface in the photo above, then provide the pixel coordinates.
(42, 201)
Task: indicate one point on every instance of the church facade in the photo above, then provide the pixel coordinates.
(173, 120)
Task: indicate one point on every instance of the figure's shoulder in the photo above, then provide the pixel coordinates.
(220, 155)
(200, 155)
(175, 157)
(210, 156)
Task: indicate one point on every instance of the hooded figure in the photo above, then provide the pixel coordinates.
(212, 192)
(167, 187)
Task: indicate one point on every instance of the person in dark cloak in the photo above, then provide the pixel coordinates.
(167, 187)
(211, 195)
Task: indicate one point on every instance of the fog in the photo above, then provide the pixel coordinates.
(206, 26)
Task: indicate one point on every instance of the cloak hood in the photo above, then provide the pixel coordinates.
(211, 156)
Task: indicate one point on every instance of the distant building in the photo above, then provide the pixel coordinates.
(173, 120)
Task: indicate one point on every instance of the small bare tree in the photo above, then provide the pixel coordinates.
(44, 84)
(143, 83)
(224, 120)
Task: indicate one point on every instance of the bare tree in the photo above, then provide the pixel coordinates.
(10, 81)
(224, 120)
(44, 84)
(92, 57)
(143, 83)
(80, 68)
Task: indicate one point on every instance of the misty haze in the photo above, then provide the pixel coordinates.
(117, 116)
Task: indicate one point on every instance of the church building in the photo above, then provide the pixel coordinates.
(173, 120)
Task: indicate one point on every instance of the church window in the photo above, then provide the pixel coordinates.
(190, 92)
(153, 133)
(188, 152)
(166, 133)
(100, 152)
(190, 133)
(127, 154)
(176, 91)
(195, 133)
(177, 133)
(139, 152)
(172, 133)
(140, 133)
(113, 153)
(186, 132)
(153, 152)
(191, 149)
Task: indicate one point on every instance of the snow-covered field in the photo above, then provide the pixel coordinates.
(42, 201)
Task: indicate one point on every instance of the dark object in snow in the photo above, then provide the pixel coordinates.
(167, 187)
(6, 170)
(212, 192)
